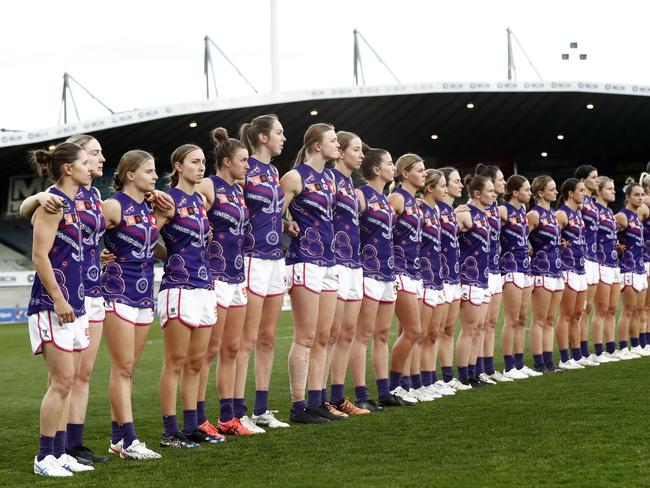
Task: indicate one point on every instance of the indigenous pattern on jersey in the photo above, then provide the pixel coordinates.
(129, 279)
(228, 217)
(646, 234)
(346, 221)
(449, 266)
(590, 218)
(606, 238)
(186, 240)
(545, 241)
(632, 238)
(492, 214)
(573, 256)
(376, 236)
(66, 257)
(430, 249)
(475, 250)
(312, 209)
(407, 237)
(514, 241)
(93, 226)
(264, 198)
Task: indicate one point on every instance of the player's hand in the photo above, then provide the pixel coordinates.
(161, 200)
(290, 227)
(50, 202)
(64, 311)
(106, 257)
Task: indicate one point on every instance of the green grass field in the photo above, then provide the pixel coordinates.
(580, 428)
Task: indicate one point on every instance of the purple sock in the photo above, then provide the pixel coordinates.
(622, 344)
(598, 348)
(564, 355)
(226, 409)
(323, 395)
(538, 360)
(116, 432)
(383, 388)
(239, 407)
(405, 382)
(611, 347)
(479, 366)
(59, 443)
(427, 377)
(361, 393)
(337, 393)
(393, 379)
(189, 421)
(434, 376)
(261, 402)
(634, 341)
(46, 447)
(519, 360)
(75, 435)
(416, 381)
(313, 398)
(463, 373)
(471, 370)
(298, 406)
(128, 433)
(576, 354)
(642, 339)
(548, 358)
(200, 412)
(509, 362)
(488, 365)
(170, 424)
(447, 374)
(584, 348)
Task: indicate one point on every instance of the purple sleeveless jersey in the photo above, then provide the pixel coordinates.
(312, 210)
(228, 217)
(66, 257)
(545, 241)
(346, 222)
(129, 279)
(514, 241)
(449, 266)
(492, 214)
(376, 236)
(186, 240)
(93, 226)
(573, 256)
(632, 239)
(646, 247)
(430, 248)
(264, 198)
(606, 237)
(475, 250)
(407, 237)
(590, 218)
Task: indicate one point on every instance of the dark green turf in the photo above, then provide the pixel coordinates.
(580, 428)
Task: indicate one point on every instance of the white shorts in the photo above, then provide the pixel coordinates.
(452, 292)
(574, 281)
(195, 307)
(94, 309)
(265, 277)
(129, 314)
(409, 285)
(379, 291)
(520, 280)
(230, 295)
(44, 328)
(434, 298)
(350, 283)
(609, 275)
(549, 283)
(495, 283)
(647, 268)
(313, 277)
(592, 272)
(474, 294)
(636, 280)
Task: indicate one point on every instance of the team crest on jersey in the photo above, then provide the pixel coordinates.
(258, 180)
(186, 211)
(225, 198)
(133, 220)
(83, 205)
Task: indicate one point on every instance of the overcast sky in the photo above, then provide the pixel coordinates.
(136, 54)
